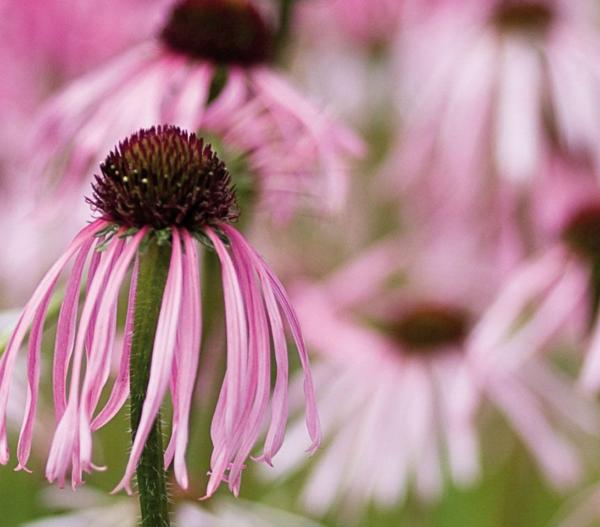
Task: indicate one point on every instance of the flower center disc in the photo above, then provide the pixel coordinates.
(429, 327)
(582, 232)
(221, 31)
(164, 177)
(527, 17)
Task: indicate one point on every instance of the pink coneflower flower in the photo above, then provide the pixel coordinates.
(558, 288)
(522, 73)
(398, 390)
(160, 190)
(209, 69)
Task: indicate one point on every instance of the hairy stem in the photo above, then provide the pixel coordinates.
(151, 477)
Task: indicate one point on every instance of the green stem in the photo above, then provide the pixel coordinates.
(594, 291)
(151, 476)
(286, 10)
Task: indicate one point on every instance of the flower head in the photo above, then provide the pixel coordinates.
(525, 17)
(224, 32)
(163, 177)
(208, 69)
(403, 371)
(523, 73)
(428, 327)
(176, 190)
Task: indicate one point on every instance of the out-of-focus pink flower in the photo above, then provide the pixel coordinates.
(208, 69)
(494, 88)
(558, 287)
(401, 378)
(159, 180)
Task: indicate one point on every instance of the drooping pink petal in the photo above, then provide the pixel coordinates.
(259, 367)
(40, 296)
(33, 379)
(33, 373)
(232, 398)
(65, 450)
(65, 446)
(101, 347)
(190, 336)
(120, 390)
(279, 413)
(89, 340)
(95, 374)
(556, 456)
(65, 331)
(524, 286)
(267, 277)
(94, 264)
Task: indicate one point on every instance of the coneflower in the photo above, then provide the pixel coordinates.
(210, 68)
(158, 193)
(523, 73)
(404, 369)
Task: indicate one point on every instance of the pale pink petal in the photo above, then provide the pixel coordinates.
(40, 296)
(232, 399)
(120, 390)
(190, 327)
(259, 366)
(35, 343)
(555, 455)
(191, 101)
(268, 279)
(65, 444)
(519, 113)
(65, 331)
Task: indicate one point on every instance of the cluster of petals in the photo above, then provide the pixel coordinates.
(525, 92)
(550, 296)
(299, 152)
(45, 46)
(85, 348)
(57, 37)
(396, 415)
